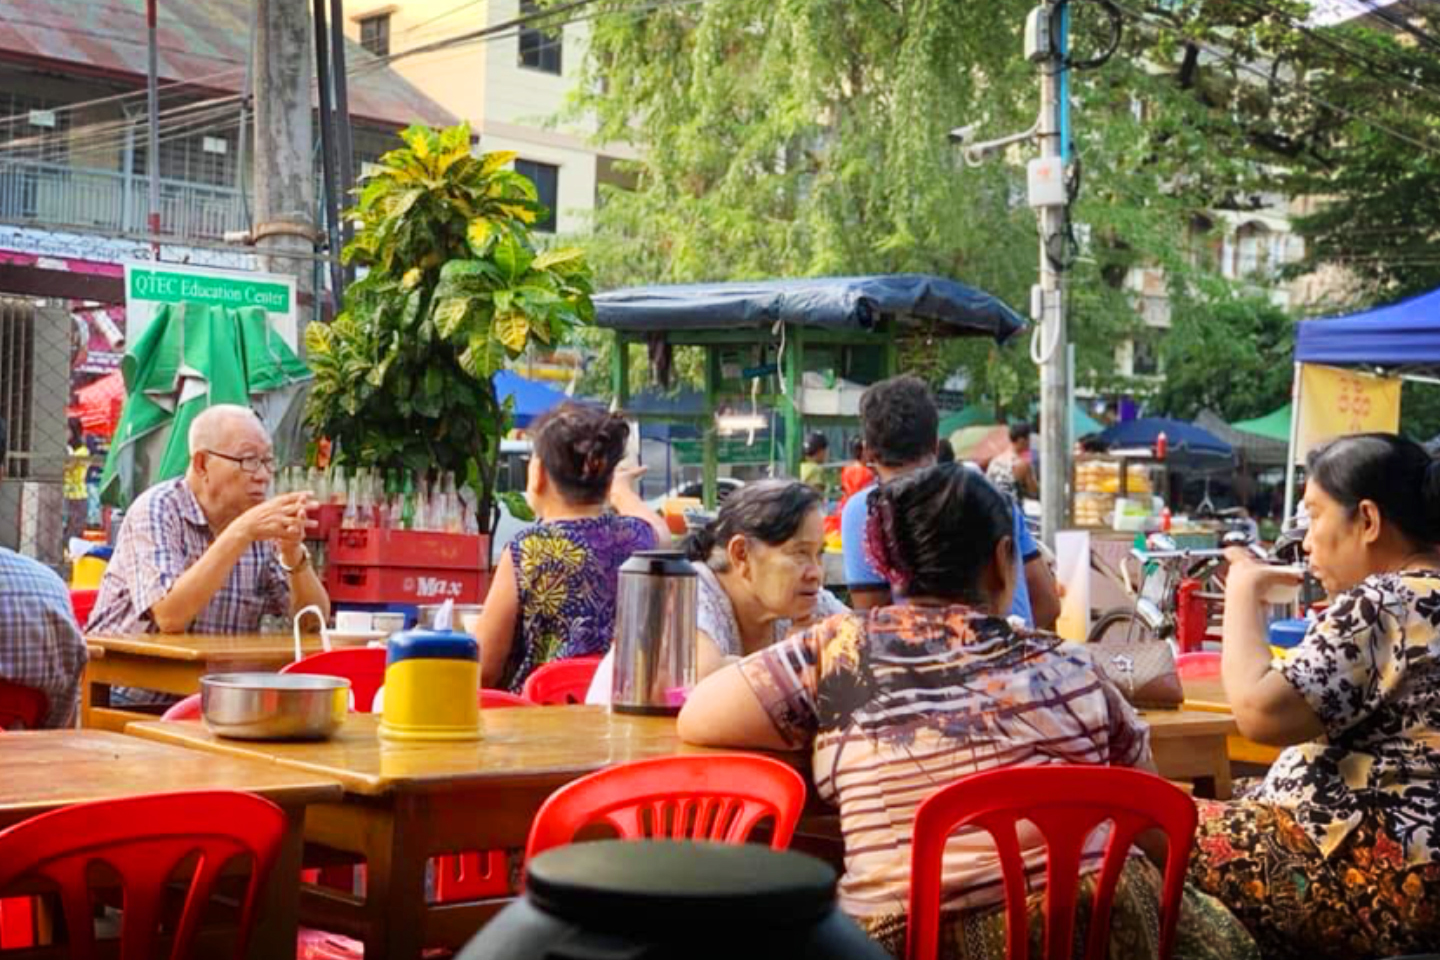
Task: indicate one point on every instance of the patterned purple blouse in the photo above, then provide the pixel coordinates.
(567, 574)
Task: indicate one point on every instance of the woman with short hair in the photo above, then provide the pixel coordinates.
(552, 594)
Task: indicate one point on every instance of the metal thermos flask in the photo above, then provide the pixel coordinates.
(654, 633)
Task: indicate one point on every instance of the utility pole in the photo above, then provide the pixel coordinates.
(284, 231)
(152, 105)
(1048, 186)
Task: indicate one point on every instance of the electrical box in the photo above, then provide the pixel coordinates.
(1046, 182)
(1037, 34)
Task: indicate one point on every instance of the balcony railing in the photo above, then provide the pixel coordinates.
(56, 195)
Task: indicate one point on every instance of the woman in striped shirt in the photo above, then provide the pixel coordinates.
(905, 698)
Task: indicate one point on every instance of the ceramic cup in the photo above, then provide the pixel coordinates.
(353, 621)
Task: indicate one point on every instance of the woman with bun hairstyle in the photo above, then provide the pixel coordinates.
(1337, 853)
(552, 595)
(760, 576)
(900, 700)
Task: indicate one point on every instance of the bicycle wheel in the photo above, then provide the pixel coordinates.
(1121, 624)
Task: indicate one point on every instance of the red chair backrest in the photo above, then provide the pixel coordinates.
(186, 709)
(717, 797)
(561, 681)
(22, 707)
(364, 667)
(143, 839)
(1065, 803)
(490, 699)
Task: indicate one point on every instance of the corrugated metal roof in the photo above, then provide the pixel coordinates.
(200, 41)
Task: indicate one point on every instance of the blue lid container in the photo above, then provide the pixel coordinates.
(1287, 633)
(431, 645)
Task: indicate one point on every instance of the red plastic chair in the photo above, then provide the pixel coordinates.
(17, 921)
(718, 797)
(561, 681)
(1065, 804)
(1196, 665)
(186, 709)
(22, 707)
(144, 839)
(482, 874)
(364, 667)
(501, 698)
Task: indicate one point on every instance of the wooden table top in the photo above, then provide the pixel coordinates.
(201, 646)
(46, 769)
(521, 745)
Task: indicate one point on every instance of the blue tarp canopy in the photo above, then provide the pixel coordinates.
(836, 303)
(1404, 334)
(531, 399)
(1180, 437)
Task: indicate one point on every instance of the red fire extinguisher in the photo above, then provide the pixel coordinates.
(1162, 445)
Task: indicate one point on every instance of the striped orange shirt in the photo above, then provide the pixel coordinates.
(906, 699)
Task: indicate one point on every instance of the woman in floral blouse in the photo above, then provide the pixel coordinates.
(552, 595)
(1337, 854)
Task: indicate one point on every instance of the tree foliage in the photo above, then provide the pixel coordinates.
(1233, 358)
(808, 137)
(454, 285)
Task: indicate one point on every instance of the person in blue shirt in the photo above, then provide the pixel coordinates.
(900, 422)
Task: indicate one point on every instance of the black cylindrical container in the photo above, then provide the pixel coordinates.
(673, 900)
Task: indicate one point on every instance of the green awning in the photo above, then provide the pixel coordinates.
(1275, 425)
(190, 357)
(975, 415)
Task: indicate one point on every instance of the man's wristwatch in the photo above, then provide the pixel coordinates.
(304, 560)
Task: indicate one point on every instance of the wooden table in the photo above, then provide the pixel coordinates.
(1208, 694)
(172, 663)
(48, 769)
(408, 802)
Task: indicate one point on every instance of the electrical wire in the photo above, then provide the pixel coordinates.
(1112, 44)
(1386, 72)
(1231, 57)
(1400, 22)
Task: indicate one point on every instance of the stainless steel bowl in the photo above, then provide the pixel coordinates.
(462, 616)
(274, 706)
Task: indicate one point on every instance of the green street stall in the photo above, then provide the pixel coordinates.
(761, 338)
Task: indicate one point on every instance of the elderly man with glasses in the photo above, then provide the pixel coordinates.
(211, 552)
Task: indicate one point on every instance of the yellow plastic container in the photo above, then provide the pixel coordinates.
(86, 572)
(432, 687)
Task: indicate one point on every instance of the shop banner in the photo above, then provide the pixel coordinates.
(150, 285)
(1336, 402)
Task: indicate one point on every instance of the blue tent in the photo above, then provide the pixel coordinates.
(1180, 437)
(1403, 334)
(531, 399)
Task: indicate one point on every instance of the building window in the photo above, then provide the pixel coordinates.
(546, 177)
(539, 48)
(1145, 358)
(375, 34)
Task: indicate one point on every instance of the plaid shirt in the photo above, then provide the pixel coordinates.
(164, 532)
(40, 645)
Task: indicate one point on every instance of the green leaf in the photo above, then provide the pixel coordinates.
(562, 256)
(411, 278)
(496, 160)
(480, 233)
(449, 314)
(518, 506)
(512, 329)
(512, 258)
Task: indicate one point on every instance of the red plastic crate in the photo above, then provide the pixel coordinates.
(370, 547)
(326, 517)
(374, 584)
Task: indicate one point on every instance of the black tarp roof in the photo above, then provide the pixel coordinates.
(836, 303)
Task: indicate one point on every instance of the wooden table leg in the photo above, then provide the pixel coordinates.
(277, 917)
(395, 884)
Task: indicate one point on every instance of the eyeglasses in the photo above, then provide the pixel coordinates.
(251, 464)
